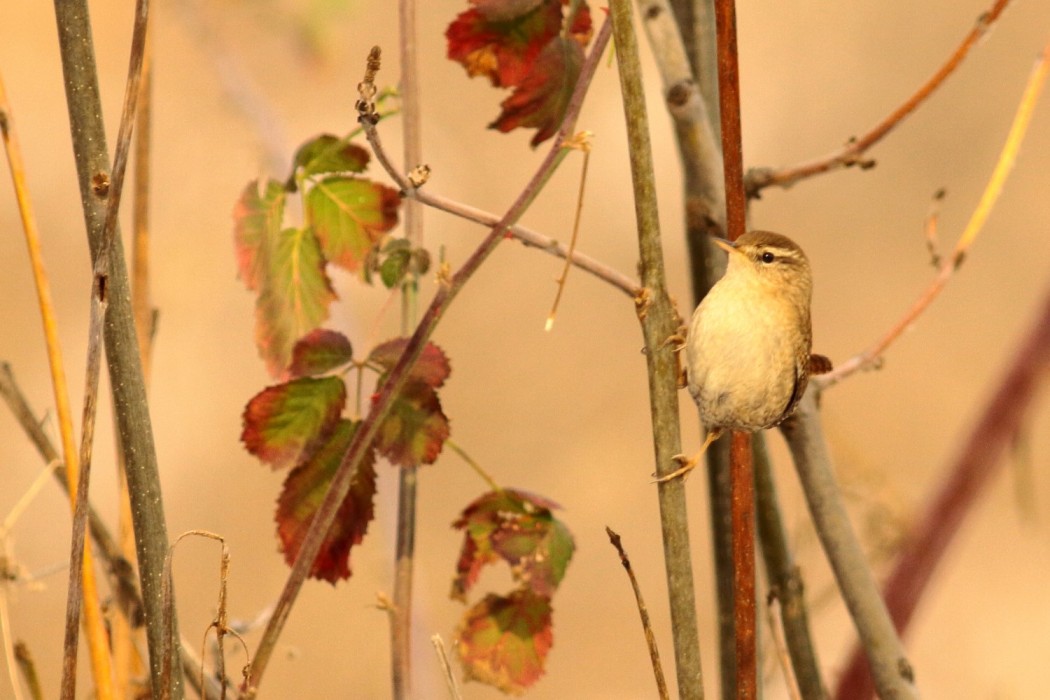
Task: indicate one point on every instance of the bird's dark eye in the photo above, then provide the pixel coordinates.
(768, 257)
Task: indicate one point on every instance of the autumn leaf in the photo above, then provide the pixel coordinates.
(328, 153)
(304, 491)
(415, 430)
(257, 222)
(504, 640)
(282, 423)
(319, 351)
(501, 40)
(349, 216)
(542, 98)
(294, 296)
(518, 528)
(431, 368)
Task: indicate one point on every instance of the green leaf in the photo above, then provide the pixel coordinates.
(431, 368)
(320, 351)
(349, 216)
(504, 640)
(283, 423)
(304, 491)
(293, 299)
(393, 269)
(328, 153)
(518, 528)
(256, 224)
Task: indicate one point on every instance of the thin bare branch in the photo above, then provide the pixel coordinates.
(804, 433)
(527, 236)
(643, 613)
(93, 622)
(580, 142)
(1007, 156)
(446, 667)
(80, 495)
(852, 154)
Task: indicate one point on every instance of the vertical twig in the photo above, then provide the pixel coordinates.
(80, 494)
(408, 477)
(125, 369)
(659, 322)
(741, 474)
(785, 579)
(93, 622)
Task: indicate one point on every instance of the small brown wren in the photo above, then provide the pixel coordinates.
(748, 345)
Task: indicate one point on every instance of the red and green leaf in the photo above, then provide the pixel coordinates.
(518, 528)
(293, 298)
(504, 640)
(491, 40)
(542, 98)
(319, 351)
(431, 368)
(415, 430)
(283, 423)
(304, 491)
(350, 215)
(328, 153)
(256, 223)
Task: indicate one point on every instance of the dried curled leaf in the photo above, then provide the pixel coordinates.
(518, 528)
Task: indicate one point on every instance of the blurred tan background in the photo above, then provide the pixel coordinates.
(239, 84)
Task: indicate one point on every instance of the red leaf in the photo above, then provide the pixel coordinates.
(492, 42)
(518, 528)
(431, 368)
(305, 489)
(283, 423)
(542, 98)
(349, 216)
(504, 641)
(320, 351)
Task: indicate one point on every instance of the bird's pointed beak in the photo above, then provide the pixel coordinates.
(727, 246)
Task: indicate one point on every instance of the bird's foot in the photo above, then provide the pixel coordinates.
(687, 464)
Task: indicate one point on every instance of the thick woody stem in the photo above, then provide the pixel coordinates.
(659, 322)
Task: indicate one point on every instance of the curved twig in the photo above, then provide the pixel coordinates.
(853, 152)
(1007, 156)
